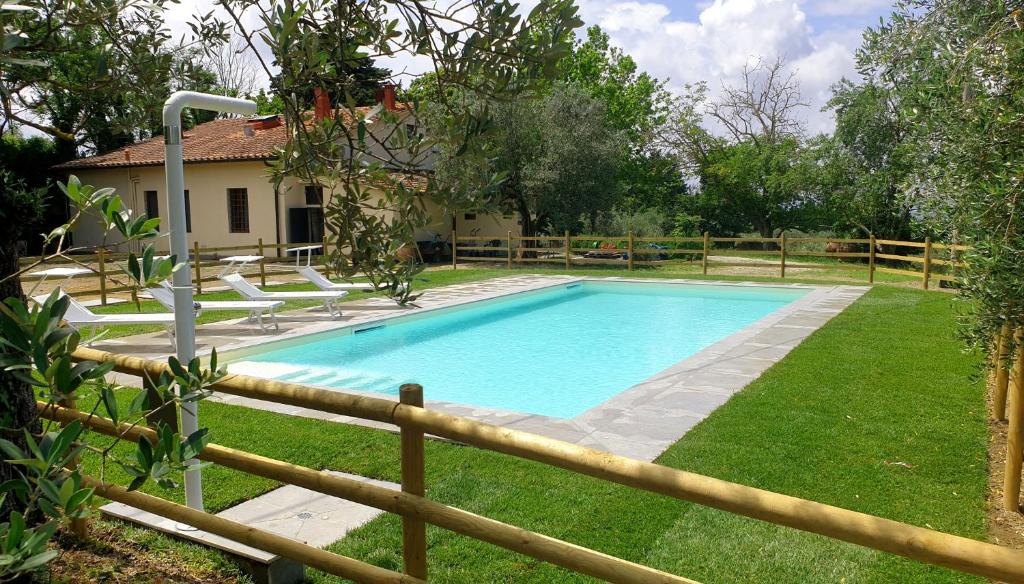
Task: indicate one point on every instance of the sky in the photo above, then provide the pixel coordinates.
(710, 40)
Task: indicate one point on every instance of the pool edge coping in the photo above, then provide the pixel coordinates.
(621, 424)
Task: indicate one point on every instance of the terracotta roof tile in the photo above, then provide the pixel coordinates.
(219, 140)
(215, 141)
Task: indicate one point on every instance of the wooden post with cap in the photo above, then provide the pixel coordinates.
(1002, 380)
(568, 251)
(263, 265)
(414, 531)
(782, 264)
(871, 260)
(1015, 433)
(101, 258)
(196, 261)
(704, 257)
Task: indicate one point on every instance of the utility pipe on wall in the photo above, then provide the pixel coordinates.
(184, 315)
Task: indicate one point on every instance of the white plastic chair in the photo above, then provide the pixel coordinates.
(79, 316)
(247, 290)
(310, 273)
(256, 308)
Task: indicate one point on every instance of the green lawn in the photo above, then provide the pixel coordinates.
(826, 272)
(884, 383)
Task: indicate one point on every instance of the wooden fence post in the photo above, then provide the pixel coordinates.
(629, 250)
(79, 527)
(782, 264)
(508, 251)
(871, 260)
(927, 262)
(568, 251)
(196, 260)
(324, 254)
(263, 263)
(414, 531)
(455, 250)
(707, 249)
(1002, 381)
(101, 257)
(1015, 433)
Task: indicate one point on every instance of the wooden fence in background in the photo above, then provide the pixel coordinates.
(937, 262)
(109, 277)
(630, 252)
(416, 509)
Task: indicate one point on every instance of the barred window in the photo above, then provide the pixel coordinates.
(152, 204)
(238, 210)
(188, 213)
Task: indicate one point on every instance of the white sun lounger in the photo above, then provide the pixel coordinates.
(79, 316)
(239, 284)
(310, 273)
(256, 308)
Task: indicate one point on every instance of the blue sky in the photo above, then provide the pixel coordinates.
(707, 40)
(711, 40)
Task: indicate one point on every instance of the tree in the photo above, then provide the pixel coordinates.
(557, 158)
(235, 70)
(957, 72)
(79, 50)
(485, 47)
(74, 50)
(755, 176)
(636, 104)
(366, 167)
(865, 165)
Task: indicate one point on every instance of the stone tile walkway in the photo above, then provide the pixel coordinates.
(641, 422)
(293, 512)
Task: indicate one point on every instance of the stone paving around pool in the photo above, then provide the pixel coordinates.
(641, 422)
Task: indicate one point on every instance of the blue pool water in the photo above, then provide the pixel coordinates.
(556, 352)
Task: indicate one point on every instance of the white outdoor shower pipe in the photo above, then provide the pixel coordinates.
(184, 314)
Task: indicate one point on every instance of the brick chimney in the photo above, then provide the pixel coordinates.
(322, 109)
(386, 96)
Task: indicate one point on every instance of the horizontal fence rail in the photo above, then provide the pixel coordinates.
(918, 259)
(923, 260)
(925, 545)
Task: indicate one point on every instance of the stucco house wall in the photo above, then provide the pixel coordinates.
(207, 185)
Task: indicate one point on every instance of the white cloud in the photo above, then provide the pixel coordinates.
(726, 35)
(847, 7)
(713, 48)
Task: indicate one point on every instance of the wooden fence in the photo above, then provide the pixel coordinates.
(937, 262)
(416, 509)
(1008, 406)
(629, 251)
(108, 276)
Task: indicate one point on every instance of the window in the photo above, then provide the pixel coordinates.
(469, 216)
(410, 130)
(238, 210)
(152, 204)
(188, 213)
(314, 195)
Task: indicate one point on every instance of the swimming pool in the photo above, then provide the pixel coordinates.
(556, 352)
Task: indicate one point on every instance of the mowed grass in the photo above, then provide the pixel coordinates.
(826, 271)
(878, 411)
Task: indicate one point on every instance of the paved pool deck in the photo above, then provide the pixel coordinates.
(640, 422)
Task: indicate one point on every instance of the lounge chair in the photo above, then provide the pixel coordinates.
(79, 316)
(317, 279)
(257, 308)
(247, 290)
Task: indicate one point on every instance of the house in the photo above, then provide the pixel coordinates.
(229, 198)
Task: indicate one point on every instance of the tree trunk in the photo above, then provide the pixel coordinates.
(17, 400)
(529, 228)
